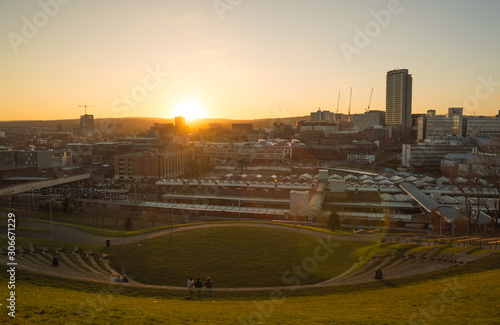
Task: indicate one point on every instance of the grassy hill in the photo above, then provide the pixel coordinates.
(258, 256)
(232, 257)
(465, 296)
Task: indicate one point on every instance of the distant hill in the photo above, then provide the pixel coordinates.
(144, 123)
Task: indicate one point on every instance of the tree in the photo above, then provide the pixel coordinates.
(488, 166)
(438, 222)
(388, 221)
(129, 224)
(71, 208)
(468, 192)
(334, 222)
(67, 202)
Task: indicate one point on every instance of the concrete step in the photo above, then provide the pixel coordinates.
(85, 265)
(72, 264)
(96, 266)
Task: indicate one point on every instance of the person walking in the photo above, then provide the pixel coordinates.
(198, 285)
(208, 285)
(190, 286)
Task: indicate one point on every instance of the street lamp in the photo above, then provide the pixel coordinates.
(51, 229)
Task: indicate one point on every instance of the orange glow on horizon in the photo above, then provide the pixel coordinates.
(190, 109)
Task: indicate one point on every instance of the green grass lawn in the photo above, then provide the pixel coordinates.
(246, 257)
(231, 256)
(475, 301)
(4, 225)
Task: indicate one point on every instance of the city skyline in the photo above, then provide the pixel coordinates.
(243, 60)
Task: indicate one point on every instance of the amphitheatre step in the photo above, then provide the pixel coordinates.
(71, 263)
(423, 268)
(85, 265)
(25, 264)
(96, 266)
(62, 266)
(35, 260)
(105, 262)
(431, 253)
(42, 258)
(406, 263)
(396, 262)
(39, 264)
(362, 269)
(32, 248)
(34, 265)
(406, 259)
(372, 270)
(111, 270)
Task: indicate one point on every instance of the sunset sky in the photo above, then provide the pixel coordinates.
(243, 59)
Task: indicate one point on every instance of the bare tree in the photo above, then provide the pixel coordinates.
(465, 190)
(488, 166)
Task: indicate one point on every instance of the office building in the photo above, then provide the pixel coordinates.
(369, 119)
(87, 124)
(322, 116)
(152, 165)
(398, 102)
(472, 126)
(180, 123)
(452, 111)
(430, 153)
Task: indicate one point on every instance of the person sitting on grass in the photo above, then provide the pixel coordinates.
(198, 285)
(118, 278)
(190, 286)
(55, 261)
(208, 285)
(113, 277)
(378, 274)
(124, 279)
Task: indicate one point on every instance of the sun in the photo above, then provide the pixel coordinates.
(190, 109)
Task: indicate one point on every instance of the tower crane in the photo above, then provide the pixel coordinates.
(338, 104)
(369, 102)
(85, 107)
(349, 111)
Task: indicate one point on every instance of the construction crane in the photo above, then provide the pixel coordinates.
(85, 107)
(349, 111)
(369, 102)
(338, 104)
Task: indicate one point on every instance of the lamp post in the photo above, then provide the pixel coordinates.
(51, 229)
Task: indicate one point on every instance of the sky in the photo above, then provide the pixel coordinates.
(243, 59)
